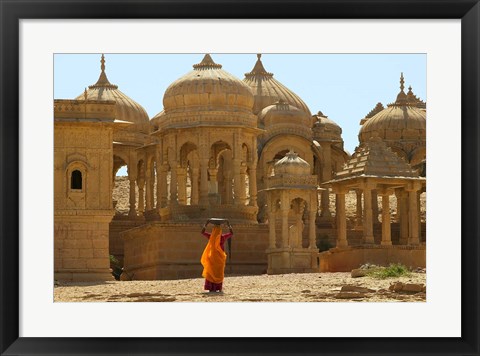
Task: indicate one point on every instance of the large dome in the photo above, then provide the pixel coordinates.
(208, 87)
(268, 90)
(127, 109)
(403, 120)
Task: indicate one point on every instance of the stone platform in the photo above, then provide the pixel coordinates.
(348, 258)
(173, 251)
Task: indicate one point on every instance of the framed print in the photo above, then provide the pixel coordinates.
(145, 155)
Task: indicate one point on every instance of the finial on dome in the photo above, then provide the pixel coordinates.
(207, 63)
(401, 97)
(259, 69)
(102, 61)
(102, 81)
(85, 94)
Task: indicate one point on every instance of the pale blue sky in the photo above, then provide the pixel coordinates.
(345, 87)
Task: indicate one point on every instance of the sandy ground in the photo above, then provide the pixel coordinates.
(306, 287)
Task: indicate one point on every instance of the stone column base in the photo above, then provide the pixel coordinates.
(84, 276)
(287, 260)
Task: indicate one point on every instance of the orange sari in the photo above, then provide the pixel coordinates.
(214, 258)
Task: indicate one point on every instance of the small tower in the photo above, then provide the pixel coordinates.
(83, 164)
(292, 201)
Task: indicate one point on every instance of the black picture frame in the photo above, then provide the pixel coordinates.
(13, 11)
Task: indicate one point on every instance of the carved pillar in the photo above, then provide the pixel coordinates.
(141, 194)
(132, 199)
(285, 209)
(182, 185)
(204, 181)
(243, 178)
(173, 184)
(341, 219)
(359, 212)
(162, 186)
(152, 187)
(375, 206)
(368, 214)
(386, 227)
(419, 214)
(194, 199)
(252, 170)
(312, 236)
(297, 238)
(272, 223)
(149, 189)
(326, 176)
(237, 181)
(228, 187)
(213, 181)
(413, 218)
(402, 210)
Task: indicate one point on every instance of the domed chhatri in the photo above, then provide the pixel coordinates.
(402, 124)
(127, 109)
(268, 90)
(282, 112)
(246, 150)
(208, 87)
(325, 128)
(292, 164)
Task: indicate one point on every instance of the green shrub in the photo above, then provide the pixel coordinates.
(393, 270)
(116, 267)
(323, 243)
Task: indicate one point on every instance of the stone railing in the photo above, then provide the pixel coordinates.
(199, 213)
(212, 118)
(79, 109)
(292, 180)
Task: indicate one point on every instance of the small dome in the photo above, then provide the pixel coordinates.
(402, 120)
(282, 113)
(325, 128)
(268, 90)
(156, 120)
(208, 87)
(127, 109)
(292, 164)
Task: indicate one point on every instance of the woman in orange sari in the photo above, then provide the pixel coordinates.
(214, 257)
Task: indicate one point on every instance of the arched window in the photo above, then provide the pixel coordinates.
(76, 180)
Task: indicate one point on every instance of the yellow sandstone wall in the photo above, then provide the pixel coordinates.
(344, 260)
(171, 251)
(82, 216)
(81, 248)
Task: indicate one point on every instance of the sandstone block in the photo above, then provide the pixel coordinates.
(350, 288)
(74, 263)
(68, 253)
(349, 295)
(77, 244)
(396, 287)
(101, 252)
(412, 287)
(100, 243)
(98, 263)
(358, 272)
(85, 253)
